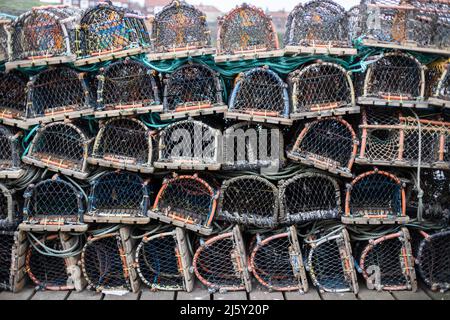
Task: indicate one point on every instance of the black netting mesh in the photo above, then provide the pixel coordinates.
(308, 197)
(249, 200)
(260, 91)
(127, 84)
(246, 29)
(10, 150)
(4, 23)
(13, 97)
(118, 194)
(320, 87)
(6, 256)
(180, 26)
(319, 23)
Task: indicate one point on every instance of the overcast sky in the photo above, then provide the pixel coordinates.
(273, 5)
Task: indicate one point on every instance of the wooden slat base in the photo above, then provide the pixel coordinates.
(115, 219)
(254, 118)
(326, 113)
(300, 50)
(375, 221)
(39, 62)
(392, 103)
(118, 165)
(439, 102)
(196, 228)
(194, 113)
(108, 56)
(404, 164)
(181, 54)
(127, 112)
(186, 166)
(11, 174)
(53, 228)
(320, 165)
(408, 46)
(67, 172)
(248, 56)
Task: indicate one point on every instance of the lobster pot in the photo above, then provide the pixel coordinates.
(13, 96)
(309, 196)
(420, 24)
(355, 22)
(186, 201)
(393, 79)
(330, 263)
(246, 29)
(192, 89)
(13, 248)
(7, 208)
(61, 147)
(441, 95)
(249, 200)
(433, 260)
(53, 202)
(54, 272)
(10, 152)
(57, 93)
(128, 84)
(163, 261)
(321, 89)
(179, 26)
(319, 23)
(260, 95)
(118, 194)
(4, 25)
(44, 33)
(107, 262)
(387, 263)
(289, 22)
(189, 144)
(250, 146)
(328, 144)
(124, 143)
(220, 263)
(107, 29)
(277, 263)
(375, 197)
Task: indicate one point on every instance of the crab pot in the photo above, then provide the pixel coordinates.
(13, 248)
(186, 201)
(128, 85)
(249, 200)
(433, 260)
(246, 30)
(192, 89)
(163, 261)
(441, 95)
(416, 25)
(43, 35)
(60, 147)
(395, 79)
(309, 196)
(8, 208)
(328, 144)
(260, 95)
(387, 262)
(375, 197)
(319, 24)
(13, 96)
(53, 203)
(118, 195)
(330, 263)
(189, 144)
(10, 152)
(389, 138)
(56, 94)
(54, 272)
(124, 143)
(180, 26)
(107, 262)
(250, 146)
(277, 263)
(220, 263)
(321, 89)
(109, 30)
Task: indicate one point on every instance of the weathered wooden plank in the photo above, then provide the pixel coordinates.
(157, 295)
(53, 228)
(85, 295)
(258, 294)
(127, 296)
(312, 294)
(232, 295)
(409, 295)
(50, 295)
(24, 294)
(366, 294)
(411, 47)
(338, 296)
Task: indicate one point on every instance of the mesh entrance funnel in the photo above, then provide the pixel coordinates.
(330, 263)
(433, 260)
(355, 22)
(277, 263)
(61, 147)
(246, 29)
(124, 143)
(387, 263)
(7, 209)
(260, 95)
(375, 197)
(328, 144)
(163, 261)
(180, 26)
(13, 97)
(192, 89)
(10, 152)
(186, 201)
(321, 89)
(250, 146)
(249, 200)
(189, 144)
(309, 196)
(220, 263)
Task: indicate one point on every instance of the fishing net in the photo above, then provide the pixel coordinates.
(13, 95)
